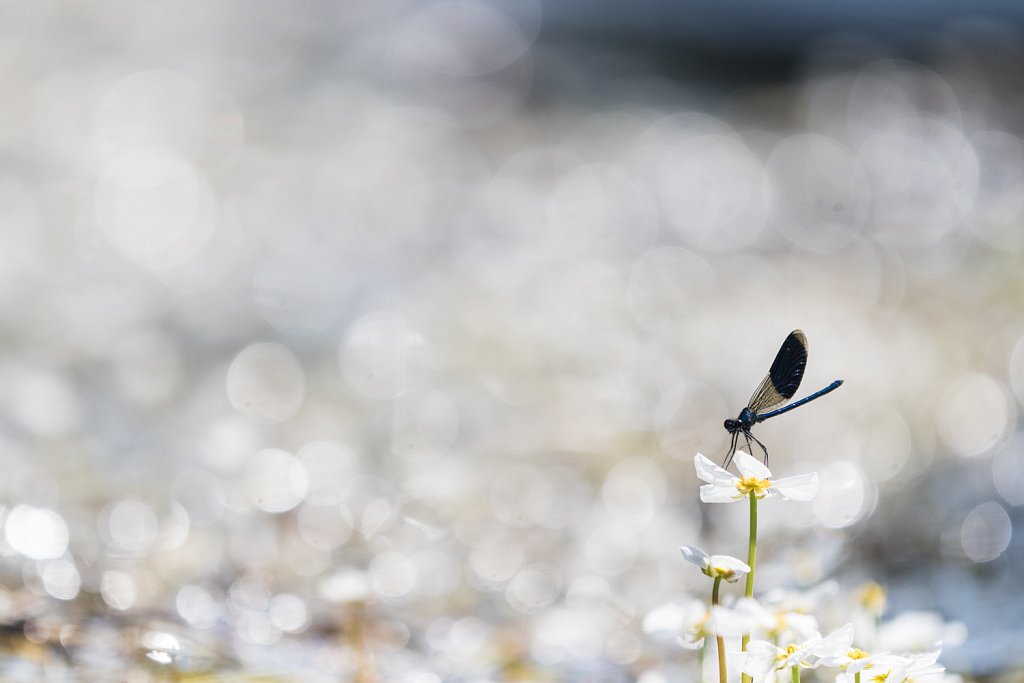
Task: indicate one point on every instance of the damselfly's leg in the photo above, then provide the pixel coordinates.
(763, 448)
(732, 450)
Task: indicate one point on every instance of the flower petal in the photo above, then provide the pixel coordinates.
(689, 642)
(666, 618)
(714, 493)
(709, 471)
(749, 466)
(695, 556)
(897, 674)
(670, 619)
(857, 665)
(923, 658)
(834, 644)
(801, 488)
(728, 563)
(760, 659)
(760, 618)
(802, 626)
(730, 623)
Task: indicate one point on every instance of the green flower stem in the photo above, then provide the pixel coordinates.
(856, 677)
(723, 675)
(752, 546)
(796, 674)
(751, 560)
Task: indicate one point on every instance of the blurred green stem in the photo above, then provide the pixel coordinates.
(796, 674)
(751, 560)
(723, 676)
(752, 546)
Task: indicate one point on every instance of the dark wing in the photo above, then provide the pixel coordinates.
(784, 377)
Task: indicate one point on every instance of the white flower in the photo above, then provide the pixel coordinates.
(697, 628)
(724, 487)
(690, 623)
(761, 620)
(889, 668)
(808, 600)
(715, 566)
(778, 624)
(718, 621)
(919, 631)
(762, 658)
(923, 665)
(668, 620)
(852, 662)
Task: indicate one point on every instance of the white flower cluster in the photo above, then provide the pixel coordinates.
(779, 632)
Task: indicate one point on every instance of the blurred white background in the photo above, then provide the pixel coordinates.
(386, 333)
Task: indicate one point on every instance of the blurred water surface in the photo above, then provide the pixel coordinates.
(385, 335)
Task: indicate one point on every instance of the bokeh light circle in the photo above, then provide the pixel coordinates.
(392, 574)
(266, 382)
(819, 195)
(289, 613)
(131, 525)
(973, 414)
(884, 441)
(383, 356)
(426, 425)
(275, 480)
(985, 532)
(635, 490)
(533, 588)
(61, 578)
(999, 211)
(36, 533)
(710, 190)
(1016, 370)
(844, 495)
(118, 589)
(1008, 471)
(155, 207)
(332, 468)
(521, 496)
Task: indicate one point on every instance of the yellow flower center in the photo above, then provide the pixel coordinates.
(872, 596)
(701, 627)
(759, 487)
(880, 677)
(857, 653)
(779, 626)
(785, 654)
(716, 572)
